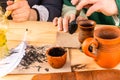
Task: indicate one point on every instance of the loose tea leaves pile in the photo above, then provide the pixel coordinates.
(33, 54)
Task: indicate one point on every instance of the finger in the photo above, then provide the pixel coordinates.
(9, 2)
(72, 17)
(17, 18)
(81, 18)
(17, 5)
(21, 10)
(87, 6)
(12, 7)
(65, 23)
(74, 2)
(55, 21)
(81, 4)
(60, 24)
(96, 7)
(20, 16)
(84, 3)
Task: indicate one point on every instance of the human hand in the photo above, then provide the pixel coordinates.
(20, 10)
(62, 23)
(107, 7)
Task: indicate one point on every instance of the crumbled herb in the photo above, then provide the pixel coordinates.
(78, 66)
(39, 67)
(47, 69)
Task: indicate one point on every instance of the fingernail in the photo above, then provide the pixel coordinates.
(72, 3)
(59, 29)
(65, 30)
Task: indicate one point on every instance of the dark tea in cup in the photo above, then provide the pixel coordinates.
(56, 56)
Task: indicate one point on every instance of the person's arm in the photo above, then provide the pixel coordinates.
(68, 10)
(48, 9)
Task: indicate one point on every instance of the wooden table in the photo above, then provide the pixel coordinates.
(45, 33)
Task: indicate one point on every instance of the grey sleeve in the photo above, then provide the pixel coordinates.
(43, 12)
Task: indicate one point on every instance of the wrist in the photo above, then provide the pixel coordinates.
(33, 15)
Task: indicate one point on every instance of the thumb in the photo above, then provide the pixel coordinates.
(55, 21)
(74, 2)
(92, 9)
(9, 2)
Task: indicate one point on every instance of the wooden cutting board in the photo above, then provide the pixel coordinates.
(48, 34)
(67, 40)
(70, 40)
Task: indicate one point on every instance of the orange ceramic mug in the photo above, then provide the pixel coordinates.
(105, 46)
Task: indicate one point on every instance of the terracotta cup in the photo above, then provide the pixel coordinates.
(86, 29)
(105, 46)
(56, 56)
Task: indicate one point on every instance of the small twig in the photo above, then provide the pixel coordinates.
(77, 13)
(25, 35)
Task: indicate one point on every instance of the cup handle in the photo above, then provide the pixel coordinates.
(85, 46)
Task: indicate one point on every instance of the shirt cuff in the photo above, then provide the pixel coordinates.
(118, 6)
(43, 12)
(117, 20)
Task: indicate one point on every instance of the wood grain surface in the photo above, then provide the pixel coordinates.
(45, 33)
(89, 75)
